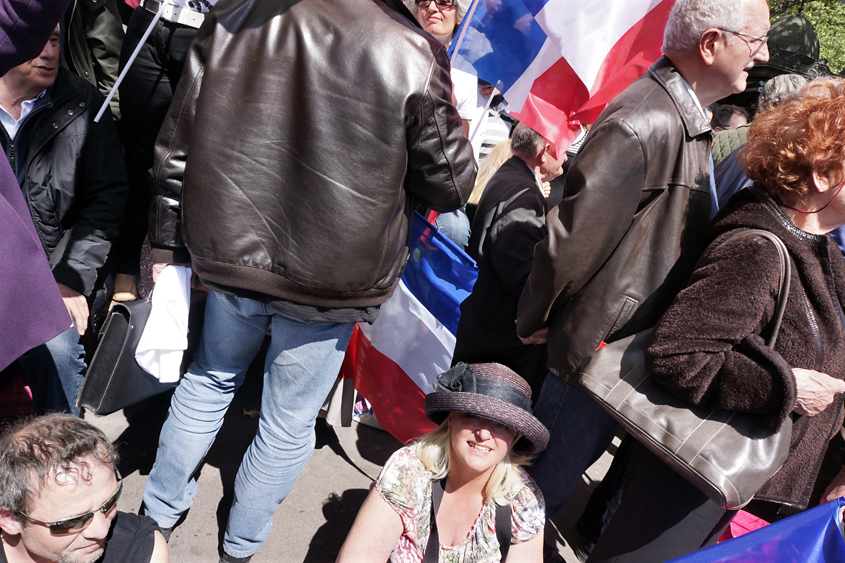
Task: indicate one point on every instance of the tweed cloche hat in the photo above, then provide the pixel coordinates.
(491, 391)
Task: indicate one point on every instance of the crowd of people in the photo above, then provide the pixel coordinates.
(279, 149)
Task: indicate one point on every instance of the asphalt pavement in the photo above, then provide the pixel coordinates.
(313, 521)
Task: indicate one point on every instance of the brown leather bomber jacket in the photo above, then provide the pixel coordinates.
(300, 136)
(627, 234)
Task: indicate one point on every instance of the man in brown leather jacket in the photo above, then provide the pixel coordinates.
(628, 231)
(314, 126)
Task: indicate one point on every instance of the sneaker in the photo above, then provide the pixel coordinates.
(226, 558)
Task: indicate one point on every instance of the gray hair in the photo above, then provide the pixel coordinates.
(526, 142)
(461, 5)
(36, 449)
(778, 89)
(689, 19)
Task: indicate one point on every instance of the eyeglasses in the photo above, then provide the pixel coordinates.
(441, 4)
(78, 523)
(761, 40)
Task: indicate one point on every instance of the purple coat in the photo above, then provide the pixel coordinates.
(31, 308)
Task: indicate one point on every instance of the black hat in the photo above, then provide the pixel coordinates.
(491, 391)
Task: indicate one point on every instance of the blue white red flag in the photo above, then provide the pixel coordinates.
(394, 361)
(559, 62)
(812, 536)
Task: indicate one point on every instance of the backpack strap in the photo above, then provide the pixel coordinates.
(432, 548)
(504, 529)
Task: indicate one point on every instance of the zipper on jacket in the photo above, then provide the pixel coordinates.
(815, 328)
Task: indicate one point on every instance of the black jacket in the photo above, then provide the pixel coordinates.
(509, 221)
(93, 35)
(625, 238)
(313, 126)
(73, 179)
(709, 348)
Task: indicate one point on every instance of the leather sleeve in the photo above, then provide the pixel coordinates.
(441, 167)
(513, 238)
(25, 26)
(171, 152)
(102, 191)
(709, 349)
(602, 192)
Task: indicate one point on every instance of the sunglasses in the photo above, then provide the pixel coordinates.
(442, 4)
(78, 523)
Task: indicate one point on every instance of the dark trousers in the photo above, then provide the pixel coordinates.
(661, 516)
(145, 97)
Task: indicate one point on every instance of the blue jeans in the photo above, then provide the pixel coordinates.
(54, 373)
(580, 432)
(302, 364)
(454, 226)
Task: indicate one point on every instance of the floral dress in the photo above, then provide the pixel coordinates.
(405, 485)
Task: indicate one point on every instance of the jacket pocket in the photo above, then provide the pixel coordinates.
(625, 312)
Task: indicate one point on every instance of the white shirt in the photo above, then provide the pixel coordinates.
(203, 6)
(10, 123)
(695, 99)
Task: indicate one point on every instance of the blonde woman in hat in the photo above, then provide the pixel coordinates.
(468, 472)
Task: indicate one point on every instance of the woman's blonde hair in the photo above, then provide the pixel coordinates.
(434, 451)
(489, 166)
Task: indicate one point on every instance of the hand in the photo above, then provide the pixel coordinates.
(77, 306)
(539, 337)
(836, 488)
(815, 390)
(487, 90)
(159, 268)
(547, 189)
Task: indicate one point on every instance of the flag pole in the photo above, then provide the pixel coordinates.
(128, 65)
(477, 127)
(460, 38)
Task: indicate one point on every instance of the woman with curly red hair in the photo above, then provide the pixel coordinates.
(710, 346)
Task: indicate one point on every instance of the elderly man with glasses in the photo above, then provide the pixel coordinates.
(623, 241)
(59, 489)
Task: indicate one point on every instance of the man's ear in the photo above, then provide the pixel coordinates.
(8, 523)
(708, 44)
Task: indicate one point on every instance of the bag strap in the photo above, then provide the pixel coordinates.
(432, 548)
(785, 276)
(504, 530)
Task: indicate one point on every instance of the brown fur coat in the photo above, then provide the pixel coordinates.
(709, 348)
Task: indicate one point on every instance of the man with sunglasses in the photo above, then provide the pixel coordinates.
(59, 490)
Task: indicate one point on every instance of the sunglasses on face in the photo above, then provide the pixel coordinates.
(78, 523)
(441, 4)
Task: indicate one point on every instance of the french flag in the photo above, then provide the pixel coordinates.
(559, 62)
(394, 361)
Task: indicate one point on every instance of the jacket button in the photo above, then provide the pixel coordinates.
(82, 104)
(86, 73)
(55, 126)
(70, 112)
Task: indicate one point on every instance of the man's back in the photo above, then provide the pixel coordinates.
(509, 222)
(308, 119)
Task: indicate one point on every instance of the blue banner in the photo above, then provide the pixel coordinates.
(438, 273)
(811, 536)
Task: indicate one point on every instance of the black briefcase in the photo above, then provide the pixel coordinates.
(114, 379)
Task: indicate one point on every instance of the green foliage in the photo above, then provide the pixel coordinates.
(828, 17)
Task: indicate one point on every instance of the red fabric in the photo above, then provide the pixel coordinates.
(742, 523)
(134, 3)
(397, 401)
(559, 102)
